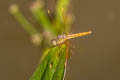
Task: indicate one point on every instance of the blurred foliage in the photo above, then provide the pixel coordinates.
(53, 62)
(59, 24)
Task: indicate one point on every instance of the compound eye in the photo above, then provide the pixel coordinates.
(54, 42)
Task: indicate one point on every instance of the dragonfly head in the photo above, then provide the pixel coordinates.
(53, 42)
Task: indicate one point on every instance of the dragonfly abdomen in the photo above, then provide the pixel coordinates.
(78, 34)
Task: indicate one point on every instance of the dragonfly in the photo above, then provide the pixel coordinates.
(60, 39)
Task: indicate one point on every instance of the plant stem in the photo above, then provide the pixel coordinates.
(42, 18)
(22, 20)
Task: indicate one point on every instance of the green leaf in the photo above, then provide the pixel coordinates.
(61, 66)
(52, 64)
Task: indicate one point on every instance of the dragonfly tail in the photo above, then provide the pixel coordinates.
(78, 34)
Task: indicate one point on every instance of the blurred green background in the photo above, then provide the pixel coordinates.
(95, 57)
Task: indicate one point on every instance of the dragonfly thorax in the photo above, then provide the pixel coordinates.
(58, 40)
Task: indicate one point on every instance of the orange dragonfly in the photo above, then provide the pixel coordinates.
(60, 39)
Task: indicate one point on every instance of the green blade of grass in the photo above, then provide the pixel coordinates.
(62, 4)
(61, 66)
(41, 17)
(40, 71)
(61, 9)
(52, 65)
